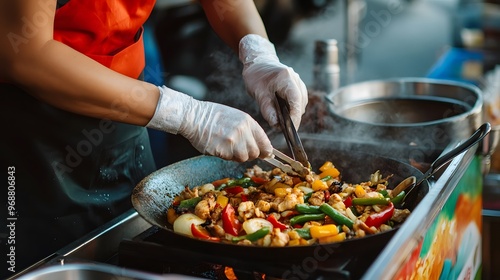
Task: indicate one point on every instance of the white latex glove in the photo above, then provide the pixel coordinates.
(211, 128)
(264, 75)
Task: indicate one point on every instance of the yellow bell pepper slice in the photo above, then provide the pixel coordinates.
(333, 238)
(222, 200)
(326, 165)
(323, 231)
(171, 216)
(359, 191)
(280, 192)
(318, 185)
(333, 172)
(294, 242)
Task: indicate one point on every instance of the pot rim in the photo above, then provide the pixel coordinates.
(476, 108)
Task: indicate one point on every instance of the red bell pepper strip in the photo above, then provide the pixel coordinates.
(244, 197)
(259, 180)
(202, 234)
(234, 190)
(381, 217)
(348, 202)
(218, 183)
(327, 195)
(230, 222)
(276, 223)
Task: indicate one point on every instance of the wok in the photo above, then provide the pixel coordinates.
(154, 195)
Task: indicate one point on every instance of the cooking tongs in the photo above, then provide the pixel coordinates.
(298, 163)
(288, 164)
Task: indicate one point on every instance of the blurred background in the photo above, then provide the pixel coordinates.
(377, 39)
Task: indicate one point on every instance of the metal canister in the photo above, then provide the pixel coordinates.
(326, 70)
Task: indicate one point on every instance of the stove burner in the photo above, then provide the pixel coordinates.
(154, 252)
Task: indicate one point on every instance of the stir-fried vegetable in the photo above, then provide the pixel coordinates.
(377, 219)
(253, 236)
(336, 215)
(230, 222)
(272, 208)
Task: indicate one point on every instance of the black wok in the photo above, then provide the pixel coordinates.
(154, 195)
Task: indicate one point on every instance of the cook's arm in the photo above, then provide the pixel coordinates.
(60, 76)
(240, 26)
(232, 20)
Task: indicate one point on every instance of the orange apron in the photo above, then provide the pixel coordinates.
(110, 32)
(74, 173)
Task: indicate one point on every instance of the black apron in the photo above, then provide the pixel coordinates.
(72, 173)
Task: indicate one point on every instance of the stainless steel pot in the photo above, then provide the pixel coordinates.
(417, 113)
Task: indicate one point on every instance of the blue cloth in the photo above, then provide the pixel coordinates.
(451, 65)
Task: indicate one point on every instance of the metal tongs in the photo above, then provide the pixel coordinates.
(298, 164)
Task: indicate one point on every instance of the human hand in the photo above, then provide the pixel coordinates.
(265, 75)
(211, 128)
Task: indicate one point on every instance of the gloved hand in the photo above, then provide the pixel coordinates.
(264, 75)
(211, 128)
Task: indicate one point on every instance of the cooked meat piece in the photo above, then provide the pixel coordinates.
(246, 210)
(265, 196)
(257, 172)
(264, 242)
(279, 239)
(360, 233)
(216, 230)
(336, 202)
(385, 227)
(317, 198)
(289, 202)
(235, 201)
(259, 214)
(210, 197)
(187, 193)
(263, 205)
(400, 215)
(202, 209)
(216, 213)
(365, 228)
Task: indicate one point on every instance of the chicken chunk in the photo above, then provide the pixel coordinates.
(263, 205)
(246, 209)
(400, 215)
(279, 239)
(202, 209)
(317, 198)
(336, 202)
(288, 202)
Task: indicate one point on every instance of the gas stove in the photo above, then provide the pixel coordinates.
(133, 245)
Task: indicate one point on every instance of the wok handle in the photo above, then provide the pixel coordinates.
(478, 135)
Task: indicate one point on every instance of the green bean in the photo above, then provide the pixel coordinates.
(326, 178)
(189, 203)
(398, 198)
(303, 233)
(253, 236)
(336, 215)
(243, 182)
(370, 201)
(307, 209)
(300, 219)
(307, 196)
(385, 193)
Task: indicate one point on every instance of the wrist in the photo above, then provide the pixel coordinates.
(253, 46)
(170, 110)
